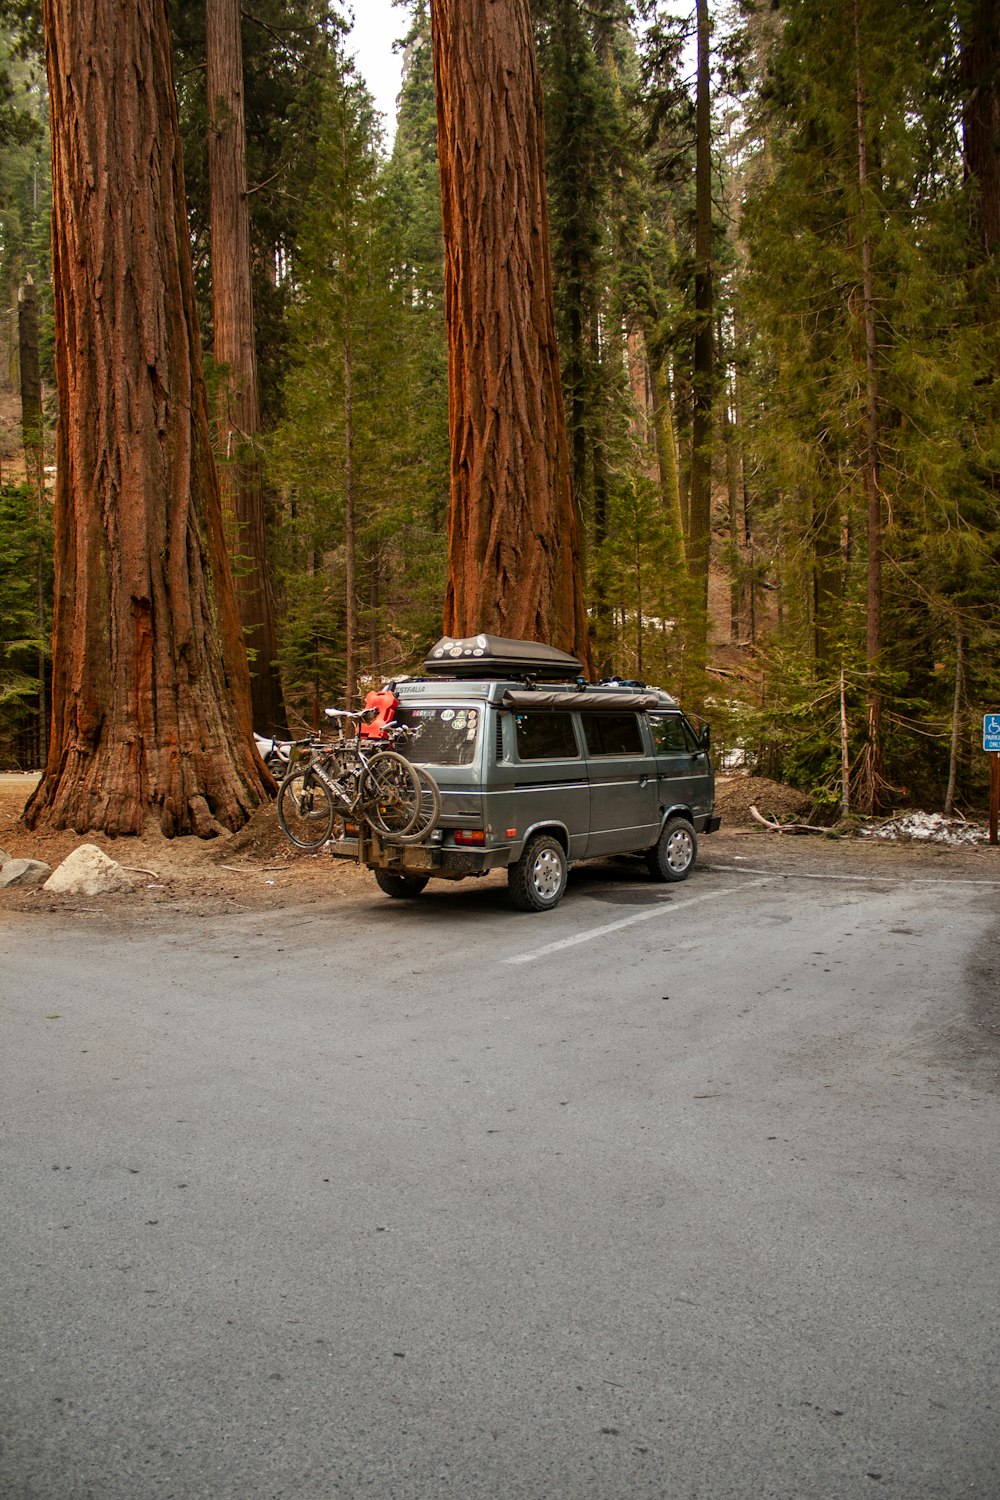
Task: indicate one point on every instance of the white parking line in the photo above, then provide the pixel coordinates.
(660, 910)
(852, 879)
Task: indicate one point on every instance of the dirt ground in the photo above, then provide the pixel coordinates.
(257, 869)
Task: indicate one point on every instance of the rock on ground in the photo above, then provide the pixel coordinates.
(22, 872)
(88, 872)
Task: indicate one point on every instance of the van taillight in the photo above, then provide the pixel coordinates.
(470, 836)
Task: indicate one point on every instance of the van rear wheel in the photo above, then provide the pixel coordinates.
(673, 855)
(399, 885)
(537, 880)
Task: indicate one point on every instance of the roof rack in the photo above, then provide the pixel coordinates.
(493, 656)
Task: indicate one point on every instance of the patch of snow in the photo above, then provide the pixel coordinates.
(930, 828)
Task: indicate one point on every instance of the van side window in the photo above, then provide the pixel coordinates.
(612, 734)
(671, 736)
(545, 736)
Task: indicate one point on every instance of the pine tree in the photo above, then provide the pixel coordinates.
(412, 188)
(286, 46)
(25, 189)
(365, 497)
(25, 618)
(866, 374)
(235, 348)
(585, 55)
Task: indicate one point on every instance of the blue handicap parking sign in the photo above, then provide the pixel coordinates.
(991, 732)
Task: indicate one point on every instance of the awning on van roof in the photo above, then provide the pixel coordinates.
(495, 656)
(594, 698)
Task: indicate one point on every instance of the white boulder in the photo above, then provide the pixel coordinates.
(88, 871)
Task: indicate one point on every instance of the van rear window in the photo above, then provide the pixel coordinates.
(612, 734)
(444, 734)
(544, 736)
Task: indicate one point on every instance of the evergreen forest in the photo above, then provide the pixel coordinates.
(774, 233)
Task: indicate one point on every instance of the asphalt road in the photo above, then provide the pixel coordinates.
(674, 1192)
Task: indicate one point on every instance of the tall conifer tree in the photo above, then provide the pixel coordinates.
(514, 546)
(151, 694)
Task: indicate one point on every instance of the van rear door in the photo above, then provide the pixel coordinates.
(446, 737)
(624, 802)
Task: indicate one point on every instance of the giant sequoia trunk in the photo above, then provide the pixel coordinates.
(514, 536)
(151, 694)
(235, 351)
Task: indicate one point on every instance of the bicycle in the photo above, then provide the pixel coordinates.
(356, 780)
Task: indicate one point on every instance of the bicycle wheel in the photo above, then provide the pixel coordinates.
(390, 793)
(430, 808)
(305, 809)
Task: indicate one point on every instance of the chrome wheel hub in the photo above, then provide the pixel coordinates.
(679, 851)
(546, 874)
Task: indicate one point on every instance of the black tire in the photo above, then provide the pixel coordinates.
(390, 794)
(399, 885)
(305, 810)
(537, 880)
(674, 854)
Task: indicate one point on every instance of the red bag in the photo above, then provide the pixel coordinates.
(385, 703)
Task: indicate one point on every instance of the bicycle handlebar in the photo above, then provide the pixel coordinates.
(364, 714)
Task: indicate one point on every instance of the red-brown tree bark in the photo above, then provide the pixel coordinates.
(514, 533)
(151, 693)
(981, 117)
(238, 413)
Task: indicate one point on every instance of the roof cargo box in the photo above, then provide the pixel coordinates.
(492, 656)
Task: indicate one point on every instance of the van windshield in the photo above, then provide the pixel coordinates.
(445, 734)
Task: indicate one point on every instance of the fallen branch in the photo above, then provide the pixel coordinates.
(253, 869)
(773, 826)
(140, 870)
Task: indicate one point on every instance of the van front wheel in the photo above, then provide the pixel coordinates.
(537, 880)
(674, 854)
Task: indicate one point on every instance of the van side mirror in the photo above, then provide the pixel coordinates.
(705, 738)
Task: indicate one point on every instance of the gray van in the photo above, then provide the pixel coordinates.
(537, 769)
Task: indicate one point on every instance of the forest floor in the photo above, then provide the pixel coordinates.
(257, 869)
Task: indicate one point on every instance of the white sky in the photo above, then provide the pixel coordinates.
(377, 24)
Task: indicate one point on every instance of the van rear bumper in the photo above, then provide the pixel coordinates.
(712, 824)
(443, 861)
